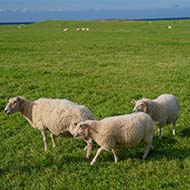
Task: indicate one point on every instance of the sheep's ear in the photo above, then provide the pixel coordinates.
(133, 101)
(20, 99)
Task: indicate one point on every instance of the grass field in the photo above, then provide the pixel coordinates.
(104, 68)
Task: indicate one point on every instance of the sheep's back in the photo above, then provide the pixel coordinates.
(171, 105)
(58, 115)
(125, 130)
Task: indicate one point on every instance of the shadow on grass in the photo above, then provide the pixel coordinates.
(186, 132)
(1, 172)
(167, 149)
(162, 149)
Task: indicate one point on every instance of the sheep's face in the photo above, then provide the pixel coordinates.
(80, 130)
(13, 105)
(140, 105)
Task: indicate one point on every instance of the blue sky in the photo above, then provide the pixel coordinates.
(133, 8)
(55, 5)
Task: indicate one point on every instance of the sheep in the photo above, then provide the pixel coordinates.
(164, 110)
(65, 29)
(128, 130)
(57, 115)
(78, 29)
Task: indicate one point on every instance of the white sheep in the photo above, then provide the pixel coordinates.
(65, 29)
(164, 110)
(78, 29)
(127, 130)
(57, 115)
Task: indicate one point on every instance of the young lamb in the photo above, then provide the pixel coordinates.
(163, 110)
(57, 115)
(127, 130)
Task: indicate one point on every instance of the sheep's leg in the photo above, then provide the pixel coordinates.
(97, 154)
(147, 150)
(160, 133)
(44, 139)
(114, 154)
(174, 129)
(88, 148)
(52, 140)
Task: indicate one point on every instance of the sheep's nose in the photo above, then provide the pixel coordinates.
(6, 111)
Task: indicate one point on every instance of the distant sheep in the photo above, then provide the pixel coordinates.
(57, 115)
(169, 27)
(65, 29)
(78, 29)
(164, 110)
(87, 29)
(127, 130)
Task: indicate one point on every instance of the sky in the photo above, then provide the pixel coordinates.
(14, 10)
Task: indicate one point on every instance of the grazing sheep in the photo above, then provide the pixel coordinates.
(57, 115)
(87, 29)
(164, 110)
(127, 130)
(65, 29)
(78, 29)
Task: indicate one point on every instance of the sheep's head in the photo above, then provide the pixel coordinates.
(80, 130)
(13, 105)
(140, 105)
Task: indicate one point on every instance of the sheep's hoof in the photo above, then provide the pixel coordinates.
(88, 158)
(91, 163)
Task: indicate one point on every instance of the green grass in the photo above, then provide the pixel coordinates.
(104, 68)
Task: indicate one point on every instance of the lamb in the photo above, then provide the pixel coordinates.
(163, 110)
(57, 115)
(127, 130)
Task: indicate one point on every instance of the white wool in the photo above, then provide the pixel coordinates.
(127, 130)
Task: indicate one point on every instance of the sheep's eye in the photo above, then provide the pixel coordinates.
(14, 103)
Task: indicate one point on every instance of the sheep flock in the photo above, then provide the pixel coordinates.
(67, 118)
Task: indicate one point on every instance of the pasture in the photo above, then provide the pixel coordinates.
(103, 68)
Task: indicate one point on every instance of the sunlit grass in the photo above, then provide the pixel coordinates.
(104, 68)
